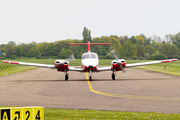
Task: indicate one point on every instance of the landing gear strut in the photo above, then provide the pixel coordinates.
(113, 75)
(90, 77)
(66, 76)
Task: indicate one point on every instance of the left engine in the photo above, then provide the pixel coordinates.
(61, 65)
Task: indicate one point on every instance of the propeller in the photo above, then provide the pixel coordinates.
(68, 59)
(72, 57)
(113, 52)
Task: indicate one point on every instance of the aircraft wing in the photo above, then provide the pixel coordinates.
(137, 64)
(149, 63)
(30, 64)
(104, 68)
(75, 69)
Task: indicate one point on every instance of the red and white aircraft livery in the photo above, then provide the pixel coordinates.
(90, 63)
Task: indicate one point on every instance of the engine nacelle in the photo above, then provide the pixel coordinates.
(115, 65)
(61, 65)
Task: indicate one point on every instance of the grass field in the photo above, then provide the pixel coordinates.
(58, 114)
(64, 114)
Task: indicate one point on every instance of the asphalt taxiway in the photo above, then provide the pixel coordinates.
(138, 91)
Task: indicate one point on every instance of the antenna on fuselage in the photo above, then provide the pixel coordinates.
(88, 44)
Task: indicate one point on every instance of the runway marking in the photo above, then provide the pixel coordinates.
(128, 96)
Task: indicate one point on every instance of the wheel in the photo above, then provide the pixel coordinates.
(113, 76)
(90, 78)
(66, 77)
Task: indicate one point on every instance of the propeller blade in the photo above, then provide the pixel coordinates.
(72, 57)
(113, 52)
(124, 72)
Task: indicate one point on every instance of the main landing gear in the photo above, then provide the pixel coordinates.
(113, 75)
(66, 76)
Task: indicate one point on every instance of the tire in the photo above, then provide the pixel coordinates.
(66, 77)
(113, 76)
(90, 78)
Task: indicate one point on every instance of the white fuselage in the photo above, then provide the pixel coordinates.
(90, 59)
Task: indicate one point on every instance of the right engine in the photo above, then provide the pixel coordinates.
(115, 64)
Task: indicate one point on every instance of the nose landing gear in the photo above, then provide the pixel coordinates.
(90, 77)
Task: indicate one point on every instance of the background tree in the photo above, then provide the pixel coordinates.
(176, 40)
(86, 36)
(122, 40)
(170, 50)
(25, 48)
(12, 43)
(19, 51)
(140, 51)
(126, 38)
(65, 53)
(9, 49)
(129, 50)
(133, 40)
(149, 49)
(34, 52)
(13, 56)
(156, 38)
(140, 40)
(115, 44)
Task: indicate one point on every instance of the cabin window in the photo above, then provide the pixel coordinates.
(89, 55)
(93, 56)
(85, 56)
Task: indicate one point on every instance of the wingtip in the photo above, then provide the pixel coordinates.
(4, 61)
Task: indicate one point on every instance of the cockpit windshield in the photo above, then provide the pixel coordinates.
(89, 55)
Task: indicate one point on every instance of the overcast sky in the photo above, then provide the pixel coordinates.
(24, 21)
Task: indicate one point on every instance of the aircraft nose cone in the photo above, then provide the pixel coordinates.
(90, 66)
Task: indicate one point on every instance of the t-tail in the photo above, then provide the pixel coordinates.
(89, 44)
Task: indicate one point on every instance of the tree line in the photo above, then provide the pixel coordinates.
(135, 47)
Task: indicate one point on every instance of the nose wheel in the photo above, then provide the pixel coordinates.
(90, 77)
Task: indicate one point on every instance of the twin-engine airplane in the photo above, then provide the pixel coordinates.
(90, 63)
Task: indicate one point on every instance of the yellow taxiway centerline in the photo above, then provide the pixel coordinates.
(128, 96)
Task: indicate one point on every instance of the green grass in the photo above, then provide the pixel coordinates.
(10, 68)
(64, 114)
(172, 68)
(58, 114)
